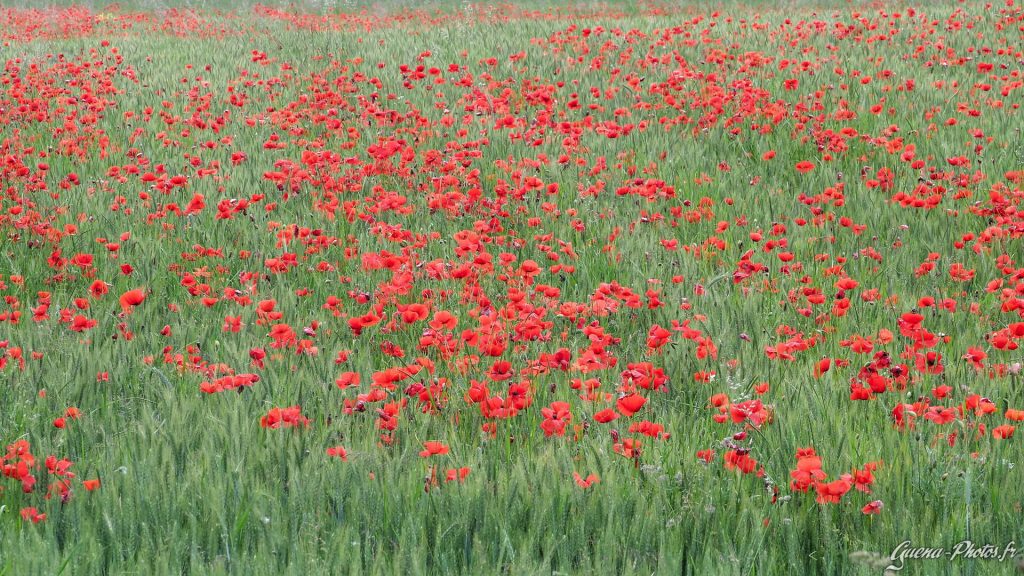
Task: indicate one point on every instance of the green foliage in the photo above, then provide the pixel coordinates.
(192, 484)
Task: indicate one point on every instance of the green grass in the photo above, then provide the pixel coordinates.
(192, 484)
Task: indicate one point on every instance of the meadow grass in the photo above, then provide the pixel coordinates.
(191, 482)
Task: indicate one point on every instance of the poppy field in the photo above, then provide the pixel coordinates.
(511, 289)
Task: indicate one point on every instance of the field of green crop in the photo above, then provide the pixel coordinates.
(511, 289)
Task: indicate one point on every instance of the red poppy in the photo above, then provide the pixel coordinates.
(823, 366)
(587, 482)
(873, 507)
(631, 404)
(832, 492)
(737, 460)
(290, 417)
(1003, 432)
(629, 447)
(132, 298)
(338, 452)
(556, 418)
(348, 379)
(804, 166)
(500, 370)
(459, 474)
(433, 448)
(33, 515)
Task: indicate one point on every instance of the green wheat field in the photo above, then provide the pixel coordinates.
(537, 288)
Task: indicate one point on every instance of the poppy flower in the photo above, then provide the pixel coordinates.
(338, 452)
(804, 166)
(444, 320)
(808, 470)
(31, 514)
(629, 448)
(587, 482)
(1003, 432)
(873, 507)
(98, 289)
(823, 366)
(736, 460)
(929, 362)
(648, 428)
(453, 474)
(433, 448)
(500, 370)
(132, 298)
(290, 417)
(832, 492)
(555, 418)
(348, 379)
(631, 404)
(976, 357)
